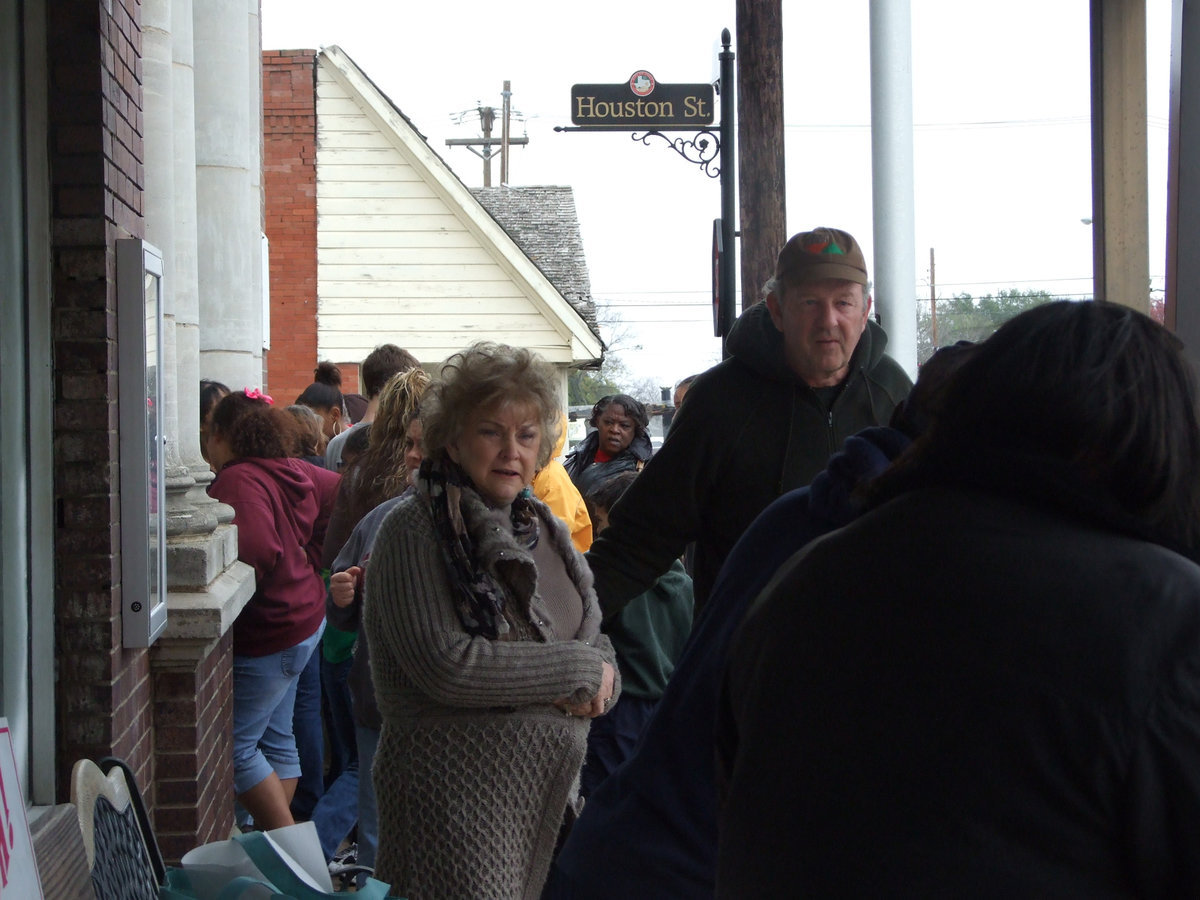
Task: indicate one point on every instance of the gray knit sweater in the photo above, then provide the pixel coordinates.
(475, 765)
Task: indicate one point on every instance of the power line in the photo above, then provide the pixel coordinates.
(982, 123)
(1019, 281)
(606, 303)
(696, 322)
(603, 296)
(1157, 122)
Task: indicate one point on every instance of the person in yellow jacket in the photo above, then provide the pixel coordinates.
(553, 486)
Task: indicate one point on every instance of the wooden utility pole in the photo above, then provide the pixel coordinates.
(761, 185)
(1120, 208)
(487, 120)
(507, 95)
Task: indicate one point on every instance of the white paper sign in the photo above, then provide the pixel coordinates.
(19, 878)
(211, 867)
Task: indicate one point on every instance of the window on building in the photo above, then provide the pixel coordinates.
(26, 392)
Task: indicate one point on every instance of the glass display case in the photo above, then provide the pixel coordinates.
(140, 405)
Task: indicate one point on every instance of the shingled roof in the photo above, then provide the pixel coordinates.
(541, 220)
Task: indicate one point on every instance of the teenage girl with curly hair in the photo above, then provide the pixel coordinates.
(281, 507)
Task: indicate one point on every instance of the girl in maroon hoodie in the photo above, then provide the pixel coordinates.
(281, 508)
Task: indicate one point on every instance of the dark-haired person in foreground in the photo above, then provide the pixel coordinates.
(651, 827)
(1005, 702)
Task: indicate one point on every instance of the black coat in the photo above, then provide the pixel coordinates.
(749, 431)
(962, 695)
(587, 474)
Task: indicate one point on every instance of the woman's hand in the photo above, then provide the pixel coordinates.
(599, 704)
(342, 586)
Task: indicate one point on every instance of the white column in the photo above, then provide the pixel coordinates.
(895, 263)
(187, 292)
(161, 140)
(256, 222)
(187, 299)
(207, 165)
(228, 245)
(159, 186)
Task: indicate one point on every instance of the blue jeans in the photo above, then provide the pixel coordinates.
(339, 719)
(310, 738)
(264, 695)
(337, 810)
(368, 810)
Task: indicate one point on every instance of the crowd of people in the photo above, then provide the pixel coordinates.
(842, 635)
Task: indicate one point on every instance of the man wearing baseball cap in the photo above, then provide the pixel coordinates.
(806, 370)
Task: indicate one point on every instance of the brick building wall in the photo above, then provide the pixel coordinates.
(95, 133)
(193, 713)
(290, 189)
(167, 711)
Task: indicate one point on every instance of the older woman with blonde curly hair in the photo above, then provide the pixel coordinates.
(486, 650)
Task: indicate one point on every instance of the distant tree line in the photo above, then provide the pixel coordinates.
(967, 318)
(612, 378)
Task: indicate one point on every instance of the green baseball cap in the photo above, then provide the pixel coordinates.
(821, 253)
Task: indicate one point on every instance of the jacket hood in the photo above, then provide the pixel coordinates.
(756, 342)
(641, 447)
(562, 437)
(292, 476)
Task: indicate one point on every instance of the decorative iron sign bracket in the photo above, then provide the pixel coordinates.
(702, 150)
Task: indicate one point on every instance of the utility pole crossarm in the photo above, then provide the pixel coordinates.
(482, 142)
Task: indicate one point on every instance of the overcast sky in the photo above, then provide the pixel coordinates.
(1001, 144)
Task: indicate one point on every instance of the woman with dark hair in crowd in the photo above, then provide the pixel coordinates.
(307, 723)
(989, 685)
(211, 393)
(356, 444)
(281, 507)
(324, 396)
(486, 650)
(620, 443)
(312, 440)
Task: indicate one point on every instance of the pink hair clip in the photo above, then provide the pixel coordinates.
(256, 394)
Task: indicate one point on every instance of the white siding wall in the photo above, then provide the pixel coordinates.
(396, 262)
